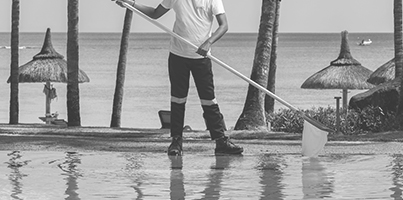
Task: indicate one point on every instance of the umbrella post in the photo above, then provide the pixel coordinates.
(345, 99)
(337, 114)
(47, 114)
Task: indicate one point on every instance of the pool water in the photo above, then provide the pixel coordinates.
(130, 175)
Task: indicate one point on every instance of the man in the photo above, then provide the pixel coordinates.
(194, 19)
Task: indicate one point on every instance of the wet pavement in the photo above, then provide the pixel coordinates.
(190, 145)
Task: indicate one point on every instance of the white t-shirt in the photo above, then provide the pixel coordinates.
(194, 21)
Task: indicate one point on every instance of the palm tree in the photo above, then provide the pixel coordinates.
(73, 97)
(271, 83)
(253, 114)
(15, 21)
(120, 74)
(398, 38)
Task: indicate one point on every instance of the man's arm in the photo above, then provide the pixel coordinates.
(153, 13)
(221, 30)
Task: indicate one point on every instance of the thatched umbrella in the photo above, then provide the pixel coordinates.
(343, 73)
(384, 73)
(47, 66)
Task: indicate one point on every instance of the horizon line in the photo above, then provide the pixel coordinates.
(241, 32)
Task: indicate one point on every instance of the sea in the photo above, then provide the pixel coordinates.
(146, 87)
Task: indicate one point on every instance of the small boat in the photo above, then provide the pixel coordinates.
(365, 42)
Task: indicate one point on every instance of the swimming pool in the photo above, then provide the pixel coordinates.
(138, 175)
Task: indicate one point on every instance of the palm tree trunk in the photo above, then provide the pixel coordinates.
(120, 74)
(397, 12)
(271, 83)
(14, 72)
(253, 114)
(73, 97)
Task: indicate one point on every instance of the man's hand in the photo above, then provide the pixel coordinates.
(204, 48)
(130, 2)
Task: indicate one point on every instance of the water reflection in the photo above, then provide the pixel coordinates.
(397, 177)
(75, 176)
(316, 181)
(271, 169)
(177, 187)
(72, 173)
(134, 172)
(215, 177)
(15, 163)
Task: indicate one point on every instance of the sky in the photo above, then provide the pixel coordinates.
(242, 15)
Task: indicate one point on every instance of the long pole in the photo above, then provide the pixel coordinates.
(227, 67)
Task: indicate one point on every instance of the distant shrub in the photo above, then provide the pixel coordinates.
(370, 119)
